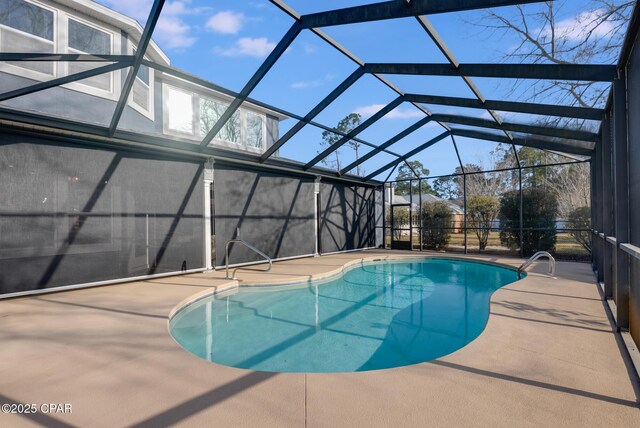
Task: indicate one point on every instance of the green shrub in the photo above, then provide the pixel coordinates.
(481, 212)
(400, 221)
(580, 218)
(436, 224)
(540, 209)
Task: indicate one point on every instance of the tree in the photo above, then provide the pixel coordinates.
(400, 221)
(436, 224)
(445, 187)
(540, 209)
(346, 125)
(545, 35)
(492, 179)
(579, 220)
(486, 183)
(405, 173)
(571, 182)
(210, 113)
(481, 213)
(534, 177)
(458, 179)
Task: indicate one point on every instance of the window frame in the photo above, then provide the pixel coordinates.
(195, 116)
(198, 134)
(90, 25)
(26, 72)
(233, 144)
(61, 15)
(263, 119)
(242, 112)
(68, 49)
(150, 112)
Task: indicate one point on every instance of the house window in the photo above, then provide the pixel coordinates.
(179, 109)
(142, 91)
(193, 115)
(210, 113)
(86, 39)
(140, 94)
(254, 131)
(26, 27)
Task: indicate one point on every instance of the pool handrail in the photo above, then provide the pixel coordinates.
(249, 246)
(536, 256)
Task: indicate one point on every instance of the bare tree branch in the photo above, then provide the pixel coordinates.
(547, 33)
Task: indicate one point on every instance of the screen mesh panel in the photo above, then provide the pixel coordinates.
(74, 215)
(274, 213)
(347, 217)
(633, 110)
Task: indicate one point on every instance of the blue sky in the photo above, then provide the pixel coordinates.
(225, 41)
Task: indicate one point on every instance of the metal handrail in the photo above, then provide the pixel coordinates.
(536, 256)
(249, 246)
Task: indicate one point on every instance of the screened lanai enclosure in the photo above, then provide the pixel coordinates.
(115, 164)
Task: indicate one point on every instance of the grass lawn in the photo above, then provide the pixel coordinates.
(566, 246)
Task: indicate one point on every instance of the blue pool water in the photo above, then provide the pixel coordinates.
(374, 316)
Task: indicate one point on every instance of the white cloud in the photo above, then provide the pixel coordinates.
(171, 32)
(305, 84)
(397, 113)
(400, 113)
(247, 46)
(577, 27)
(309, 49)
(370, 110)
(225, 22)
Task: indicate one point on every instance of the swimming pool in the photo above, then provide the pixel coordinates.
(376, 315)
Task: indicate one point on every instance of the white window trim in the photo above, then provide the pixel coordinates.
(148, 113)
(197, 132)
(165, 113)
(233, 144)
(115, 47)
(25, 72)
(242, 143)
(198, 95)
(61, 45)
(263, 144)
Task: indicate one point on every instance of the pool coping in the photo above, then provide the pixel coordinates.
(234, 285)
(547, 357)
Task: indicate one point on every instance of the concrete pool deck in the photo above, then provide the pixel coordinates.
(548, 357)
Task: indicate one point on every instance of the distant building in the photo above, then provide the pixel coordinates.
(457, 211)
